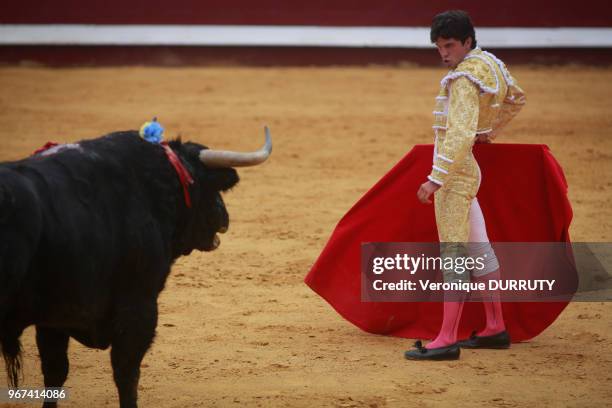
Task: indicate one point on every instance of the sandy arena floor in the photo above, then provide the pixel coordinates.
(237, 326)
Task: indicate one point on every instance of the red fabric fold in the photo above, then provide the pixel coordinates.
(523, 196)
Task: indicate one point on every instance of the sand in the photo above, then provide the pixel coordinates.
(237, 326)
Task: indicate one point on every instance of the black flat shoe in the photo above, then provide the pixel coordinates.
(500, 340)
(451, 352)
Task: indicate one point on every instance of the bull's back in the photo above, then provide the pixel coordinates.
(84, 200)
(98, 231)
(20, 234)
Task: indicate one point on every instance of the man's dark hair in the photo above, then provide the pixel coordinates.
(455, 24)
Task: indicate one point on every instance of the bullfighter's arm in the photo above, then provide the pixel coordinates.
(460, 129)
(513, 102)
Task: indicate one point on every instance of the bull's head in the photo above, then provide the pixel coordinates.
(213, 173)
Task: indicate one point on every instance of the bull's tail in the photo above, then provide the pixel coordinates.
(11, 351)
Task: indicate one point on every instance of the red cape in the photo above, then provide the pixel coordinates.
(523, 196)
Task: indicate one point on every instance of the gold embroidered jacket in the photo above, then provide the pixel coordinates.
(478, 96)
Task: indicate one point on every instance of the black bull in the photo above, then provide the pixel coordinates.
(87, 239)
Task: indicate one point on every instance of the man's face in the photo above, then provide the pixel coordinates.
(452, 51)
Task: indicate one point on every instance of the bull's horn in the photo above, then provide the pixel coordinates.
(224, 158)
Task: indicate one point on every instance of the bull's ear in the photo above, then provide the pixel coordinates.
(223, 179)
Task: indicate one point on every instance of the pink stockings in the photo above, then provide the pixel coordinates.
(491, 300)
(493, 308)
(450, 324)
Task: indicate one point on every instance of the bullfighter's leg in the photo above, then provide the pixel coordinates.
(481, 247)
(53, 349)
(133, 332)
(452, 211)
(452, 208)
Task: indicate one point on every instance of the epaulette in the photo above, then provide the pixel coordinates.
(479, 70)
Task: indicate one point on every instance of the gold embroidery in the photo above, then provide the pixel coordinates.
(495, 105)
(456, 142)
(510, 107)
(474, 98)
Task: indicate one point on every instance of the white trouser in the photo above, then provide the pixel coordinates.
(479, 245)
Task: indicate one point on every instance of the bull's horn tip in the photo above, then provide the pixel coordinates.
(222, 158)
(268, 145)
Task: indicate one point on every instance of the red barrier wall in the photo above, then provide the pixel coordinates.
(380, 13)
(490, 13)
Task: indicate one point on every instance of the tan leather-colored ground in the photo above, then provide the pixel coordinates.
(237, 326)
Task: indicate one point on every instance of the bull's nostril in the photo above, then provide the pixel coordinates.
(223, 229)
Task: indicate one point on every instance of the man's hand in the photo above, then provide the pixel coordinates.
(485, 137)
(426, 190)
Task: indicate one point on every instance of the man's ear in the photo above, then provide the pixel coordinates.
(468, 42)
(223, 179)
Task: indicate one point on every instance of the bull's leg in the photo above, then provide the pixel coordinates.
(132, 335)
(52, 347)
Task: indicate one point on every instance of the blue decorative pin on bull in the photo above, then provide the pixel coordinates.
(88, 235)
(152, 131)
